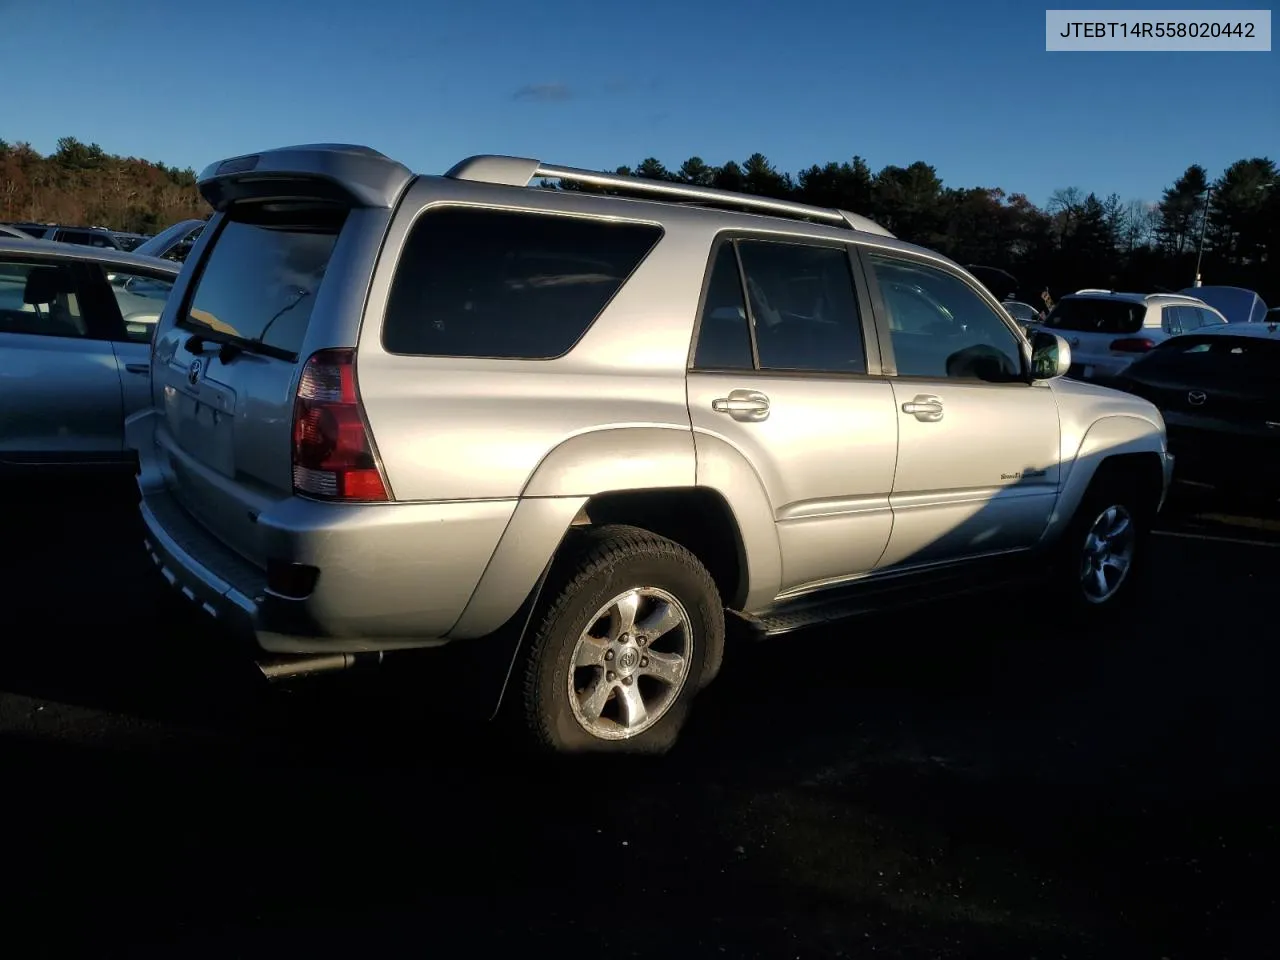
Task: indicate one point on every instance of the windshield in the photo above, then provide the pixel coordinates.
(1095, 315)
(259, 281)
(170, 239)
(1249, 357)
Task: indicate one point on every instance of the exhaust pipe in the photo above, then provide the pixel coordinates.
(284, 668)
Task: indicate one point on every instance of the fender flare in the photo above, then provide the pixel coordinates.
(599, 461)
(1110, 436)
(499, 617)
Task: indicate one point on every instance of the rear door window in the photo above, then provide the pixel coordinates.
(494, 283)
(259, 280)
(141, 300)
(803, 310)
(1089, 315)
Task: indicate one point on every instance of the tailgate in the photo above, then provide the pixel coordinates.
(225, 371)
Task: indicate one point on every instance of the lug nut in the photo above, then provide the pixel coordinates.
(641, 641)
(608, 654)
(644, 661)
(611, 676)
(627, 680)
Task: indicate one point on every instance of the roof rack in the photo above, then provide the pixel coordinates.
(521, 171)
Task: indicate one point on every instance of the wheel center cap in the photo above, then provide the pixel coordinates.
(627, 660)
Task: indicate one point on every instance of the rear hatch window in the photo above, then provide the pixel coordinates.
(258, 285)
(1089, 315)
(225, 372)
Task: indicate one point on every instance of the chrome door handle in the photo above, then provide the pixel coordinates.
(746, 405)
(924, 408)
(138, 367)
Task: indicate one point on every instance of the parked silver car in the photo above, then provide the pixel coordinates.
(565, 435)
(75, 343)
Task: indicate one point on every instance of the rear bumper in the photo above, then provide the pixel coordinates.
(391, 577)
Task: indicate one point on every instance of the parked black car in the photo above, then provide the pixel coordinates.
(1219, 392)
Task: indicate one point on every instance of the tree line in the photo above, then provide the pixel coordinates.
(1075, 239)
(81, 185)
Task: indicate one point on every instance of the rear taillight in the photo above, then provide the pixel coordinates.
(1132, 345)
(333, 454)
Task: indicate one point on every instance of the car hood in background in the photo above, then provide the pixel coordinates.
(1237, 304)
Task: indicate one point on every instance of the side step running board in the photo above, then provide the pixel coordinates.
(819, 609)
(283, 668)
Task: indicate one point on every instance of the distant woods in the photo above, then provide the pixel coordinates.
(1076, 239)
(81, 185)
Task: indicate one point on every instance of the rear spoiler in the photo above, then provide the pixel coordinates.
(330, 171)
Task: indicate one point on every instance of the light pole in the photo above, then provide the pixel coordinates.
(1204, 218)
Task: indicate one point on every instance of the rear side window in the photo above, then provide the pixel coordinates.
(1208, 318)
(1179, 319)
(520, 286)
(1088, 315)
(259, 280)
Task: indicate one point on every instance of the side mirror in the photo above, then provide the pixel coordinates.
(1050, 355)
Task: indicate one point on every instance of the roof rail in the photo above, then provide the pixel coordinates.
(521, 171)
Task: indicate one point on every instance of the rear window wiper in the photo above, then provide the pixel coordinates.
(230, 347)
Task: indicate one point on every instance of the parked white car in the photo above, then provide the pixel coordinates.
(1107, 331)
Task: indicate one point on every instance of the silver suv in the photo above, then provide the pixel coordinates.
(568, 436)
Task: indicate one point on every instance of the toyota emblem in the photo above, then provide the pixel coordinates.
(193, 372)
(1197, 398)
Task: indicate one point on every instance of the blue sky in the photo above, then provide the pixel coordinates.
(967, 87)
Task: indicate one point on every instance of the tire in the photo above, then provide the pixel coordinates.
(1115, 504)
(605, 573)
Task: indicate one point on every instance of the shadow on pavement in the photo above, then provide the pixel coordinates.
(966, 780)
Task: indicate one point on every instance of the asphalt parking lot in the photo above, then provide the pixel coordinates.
(961, 781)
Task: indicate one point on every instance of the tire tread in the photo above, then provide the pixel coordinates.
(596, 549)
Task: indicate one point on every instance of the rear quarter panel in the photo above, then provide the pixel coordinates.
(475, 428)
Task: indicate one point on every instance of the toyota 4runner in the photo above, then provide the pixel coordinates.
(571, 434)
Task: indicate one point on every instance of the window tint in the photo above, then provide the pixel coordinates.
(724, 340)
(803, 307)
(1208, 318)
(487, 283)
(141, 301)
(1171, 320)
(1092, 315)
(1225, 356)
(260, 279)
(39, 299)
(940, 327)
(1021, 311)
